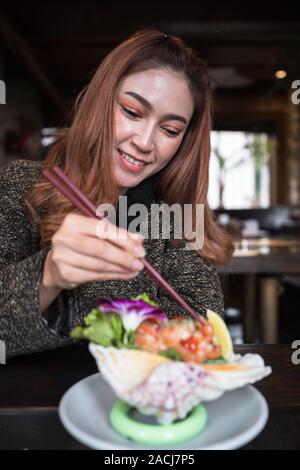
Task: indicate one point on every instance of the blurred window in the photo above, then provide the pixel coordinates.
(240, 170)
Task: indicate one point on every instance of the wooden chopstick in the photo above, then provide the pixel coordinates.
(60, 180)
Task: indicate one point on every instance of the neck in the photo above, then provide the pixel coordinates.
(122, 191)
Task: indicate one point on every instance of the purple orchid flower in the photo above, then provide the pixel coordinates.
(132, 312)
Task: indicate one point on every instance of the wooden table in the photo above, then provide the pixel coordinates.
(269, 260)
(32, 386)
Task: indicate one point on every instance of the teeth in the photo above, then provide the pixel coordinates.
(132, 160)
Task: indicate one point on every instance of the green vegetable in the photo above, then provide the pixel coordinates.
(100, 332)
(219, 360)
(117, 326)
(171, 354)
(105, 329)
(92, 316)
(145, 297)
(77, 332)
(113, 323)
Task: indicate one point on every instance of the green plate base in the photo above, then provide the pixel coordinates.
(157, 434)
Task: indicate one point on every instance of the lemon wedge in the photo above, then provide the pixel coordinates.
(221, 333)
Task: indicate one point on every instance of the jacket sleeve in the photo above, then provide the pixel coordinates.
(22, 327)
(194, 278)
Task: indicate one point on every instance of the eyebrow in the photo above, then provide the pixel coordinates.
(148, 105)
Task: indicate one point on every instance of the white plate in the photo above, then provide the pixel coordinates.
(233, 420)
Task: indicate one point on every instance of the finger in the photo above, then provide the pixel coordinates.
(102, 228)
(103, 250)
(119, 236)
(90, 263)
(77, 224)
(77, 276)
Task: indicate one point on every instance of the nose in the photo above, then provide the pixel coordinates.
(143, 140)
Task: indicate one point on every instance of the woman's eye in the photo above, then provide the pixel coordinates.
(172, 133)
(133, 115)
(130, 113)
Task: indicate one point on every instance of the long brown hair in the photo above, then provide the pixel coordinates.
(84, 149)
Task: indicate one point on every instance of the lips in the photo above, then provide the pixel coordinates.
(126, 153)
(132, 167)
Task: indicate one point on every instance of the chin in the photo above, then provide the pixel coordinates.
(127, 183)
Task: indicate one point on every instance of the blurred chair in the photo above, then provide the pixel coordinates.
(280, 219)
(289, 320)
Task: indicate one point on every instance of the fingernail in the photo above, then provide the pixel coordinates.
(139, 250)
(137, 265)
(137, 236)
(134, 274)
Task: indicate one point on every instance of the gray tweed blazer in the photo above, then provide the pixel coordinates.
(22, 327)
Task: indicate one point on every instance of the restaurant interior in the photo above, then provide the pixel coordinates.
(253, 57)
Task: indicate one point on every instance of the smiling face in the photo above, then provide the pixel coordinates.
(152, 111)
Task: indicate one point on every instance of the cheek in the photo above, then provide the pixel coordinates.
(122, 125)
(168, 148)
(117, 122)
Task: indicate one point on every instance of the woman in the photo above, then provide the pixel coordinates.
(141, 128)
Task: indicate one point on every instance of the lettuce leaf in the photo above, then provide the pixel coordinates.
(145, 297)
(103, 328)
(171, 353)
(113, 322)
(218, 360)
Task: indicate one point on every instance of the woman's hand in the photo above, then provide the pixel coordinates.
(81, 253)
